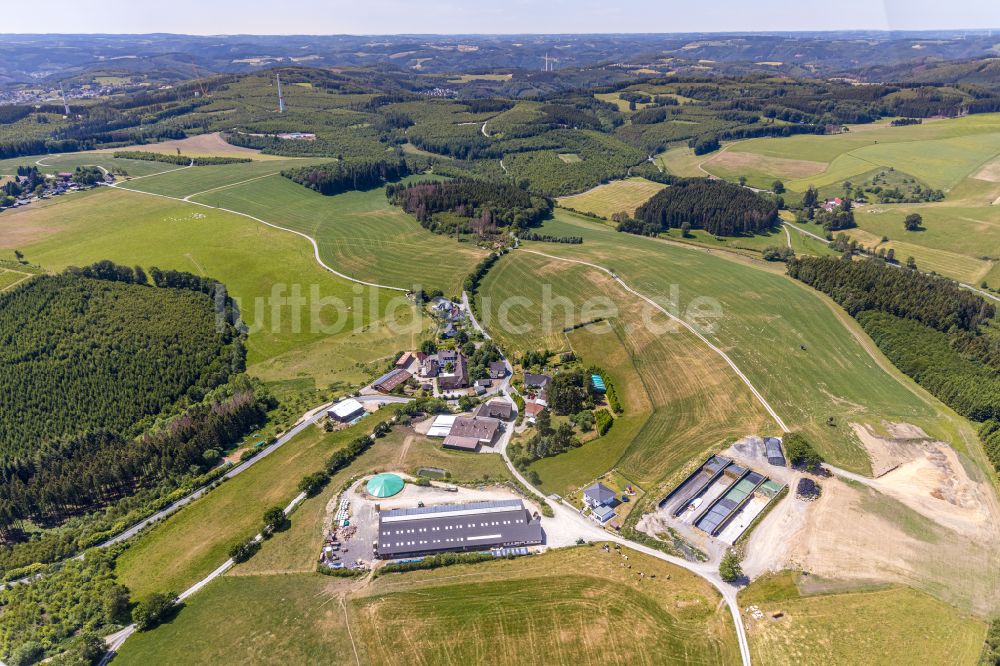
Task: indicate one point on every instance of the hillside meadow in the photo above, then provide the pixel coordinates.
(961, 234)
(807, 357)
(252, 260)
(680, 398)
(885, 625)
(359, 233)
(577, 605)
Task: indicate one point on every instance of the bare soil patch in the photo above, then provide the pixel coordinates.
(990, 172)
(928, 519)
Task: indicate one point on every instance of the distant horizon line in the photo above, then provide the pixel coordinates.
(883, 31)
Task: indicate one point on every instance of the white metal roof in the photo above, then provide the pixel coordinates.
(441, 426)
(345, 408)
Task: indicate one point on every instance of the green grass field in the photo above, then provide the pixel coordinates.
(807, 357)
(610, 198)
(185, 182)
(252, 260)
(681, 398)
(190, 544)
(9, 278)
(359, 233)
(294, 619)
(961, 156)
(69, 162)
(895, 625)
(571, 606)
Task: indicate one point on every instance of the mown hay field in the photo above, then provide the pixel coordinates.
(610, 198)
(578, 606)
(680, 398)
(891, 625)
(805, 355)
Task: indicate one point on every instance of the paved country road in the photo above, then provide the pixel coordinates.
(305, 421)
(587, 530)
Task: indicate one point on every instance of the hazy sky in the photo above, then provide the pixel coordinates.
(495, 16)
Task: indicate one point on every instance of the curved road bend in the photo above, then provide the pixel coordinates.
(592, 532)
(307, 419)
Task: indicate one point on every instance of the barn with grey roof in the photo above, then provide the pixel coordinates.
(456, 527)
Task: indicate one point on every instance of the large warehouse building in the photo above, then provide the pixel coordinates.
(472, 526)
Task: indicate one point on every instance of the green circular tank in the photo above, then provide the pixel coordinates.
(384, 485)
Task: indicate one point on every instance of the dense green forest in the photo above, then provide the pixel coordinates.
(465, 205)
(716, 206)
(92, 358)
(347, 175)
(929, 327)
(873, 285)
(960, 380)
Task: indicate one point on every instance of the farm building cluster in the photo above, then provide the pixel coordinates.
(29, 185)
(722, 498)
(386, 517)
(468, 433)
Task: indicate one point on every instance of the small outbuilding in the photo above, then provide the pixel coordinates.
(461, 443)
(602, 514)
(496, 409)
(772, 448)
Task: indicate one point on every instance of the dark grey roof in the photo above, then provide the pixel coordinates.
(482, 428)
(773, 448)
(471, 526)
(599, 493)
(460, 442)
(536, 380)
(497, 409)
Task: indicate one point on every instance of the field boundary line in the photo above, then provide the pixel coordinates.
(347, 623)
(746, 380)
(150, 175)
(27, 276)
(309, 238)
(223, 187)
